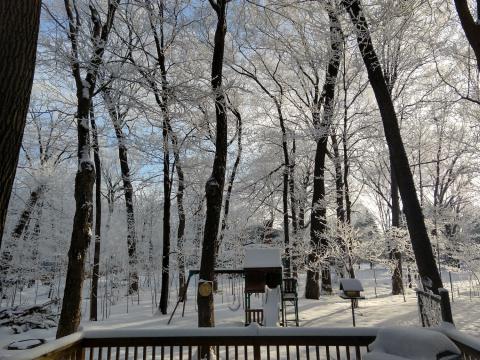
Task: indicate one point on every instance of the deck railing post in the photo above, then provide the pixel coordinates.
(256, 352)
(445, 306)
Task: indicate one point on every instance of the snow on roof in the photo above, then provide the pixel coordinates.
(350, 285)
(262, 258)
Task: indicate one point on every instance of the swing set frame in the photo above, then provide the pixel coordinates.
(191, 273)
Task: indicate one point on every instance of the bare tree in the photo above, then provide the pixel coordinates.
(85, 177)
(215, 184)
(318, 225)
(415, 220)
(18, 38)
(470, 26)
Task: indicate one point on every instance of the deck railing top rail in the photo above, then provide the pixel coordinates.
(252, 335)
(252, 341)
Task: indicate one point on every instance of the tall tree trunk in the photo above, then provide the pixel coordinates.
(215, 184)
(98, 218)
(470, 26)
(85, 177)
(18, 45)
(293, 205)
(413, 212)
(181, 222)
(346, 163)
(117, 117)
(285, 190)
(395, 254)
(318, 225)
(167, 188)
(20, 228)
(340, 210)
(24, 219)
(162, 100)
(128, 194)
(82, 225)
(231, 180)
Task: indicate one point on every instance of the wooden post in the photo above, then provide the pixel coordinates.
(445, 306)
(256, 352)
(470, 280)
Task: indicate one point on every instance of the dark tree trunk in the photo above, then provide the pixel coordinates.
(98, 218)
(167, 188)
(318, 225)
(18, 44)
(285, 190)
(346, 163)
(231, 180)
(82, 225)
(293, 205)
(470, 26)
(20, 228)
(181, 221)
(413, 212)
(162, 99)
(395, 255)
(340, 210)
(85, 177)
(128, 194)
(337, 162)
(24, 219)
(215, 184)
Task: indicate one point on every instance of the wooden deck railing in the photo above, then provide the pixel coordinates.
(251, 342)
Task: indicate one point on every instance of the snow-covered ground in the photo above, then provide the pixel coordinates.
(380, 310)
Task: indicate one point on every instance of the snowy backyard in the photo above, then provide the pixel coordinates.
(262, 176)
(380, 310)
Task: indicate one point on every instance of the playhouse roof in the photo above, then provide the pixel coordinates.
(262, 258)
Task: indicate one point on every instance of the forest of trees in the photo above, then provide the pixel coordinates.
(162, 136)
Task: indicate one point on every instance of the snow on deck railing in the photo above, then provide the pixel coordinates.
(462, 339)
(248, 331)
(222, 332)
(41, 350)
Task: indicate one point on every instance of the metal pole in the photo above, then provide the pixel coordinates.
(451, 285)
(353, 313)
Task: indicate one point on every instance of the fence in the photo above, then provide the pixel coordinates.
(251, 342)
(434, 309)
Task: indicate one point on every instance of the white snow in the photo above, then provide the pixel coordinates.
(38, 351)
(85, 89)
(329, 316)
(411, 343)
(26, 344)
(262, 258)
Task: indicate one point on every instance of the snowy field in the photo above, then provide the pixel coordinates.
(380, 310)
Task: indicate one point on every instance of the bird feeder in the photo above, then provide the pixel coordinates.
(350, 289)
